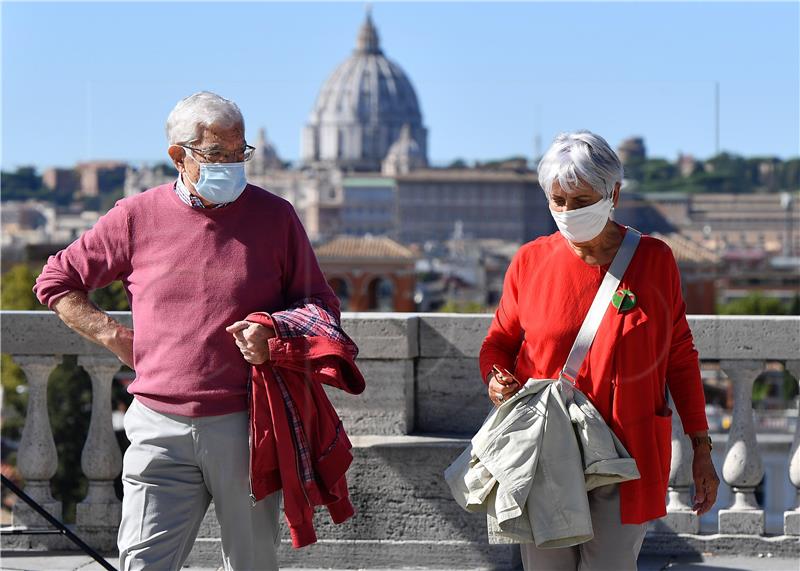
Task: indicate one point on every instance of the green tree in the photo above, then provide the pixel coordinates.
(111, 297)
(790, 174)
(16, 289)
(754, 304)
(462, 307)
(658, 175)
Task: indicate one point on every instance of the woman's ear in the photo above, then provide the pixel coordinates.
(177, 154)
(615, 196)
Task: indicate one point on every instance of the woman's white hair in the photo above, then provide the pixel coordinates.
(198, 111)
(584, 156)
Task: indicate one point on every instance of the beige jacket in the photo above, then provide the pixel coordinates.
(531, 464)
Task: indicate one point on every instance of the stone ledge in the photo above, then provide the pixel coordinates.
(379, 554)
(411, 335)
(721, 544)
(375, 441)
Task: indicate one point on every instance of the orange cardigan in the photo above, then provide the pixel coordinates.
(635, 356)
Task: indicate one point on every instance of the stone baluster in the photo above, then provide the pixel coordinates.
(98, 515)
(37, 460)
(742, 470)
(791, 519)
(680, 518)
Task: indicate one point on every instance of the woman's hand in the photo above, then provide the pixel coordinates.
(251, 338)
(706, 481)
(502, 385)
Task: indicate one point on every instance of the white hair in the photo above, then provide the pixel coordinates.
(198, 111)
(584, 156)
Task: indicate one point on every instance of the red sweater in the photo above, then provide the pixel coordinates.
(189, 273)
(636, 354)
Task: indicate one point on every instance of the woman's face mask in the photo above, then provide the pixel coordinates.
(584, 224)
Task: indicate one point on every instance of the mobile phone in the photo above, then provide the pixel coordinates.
(504, 372)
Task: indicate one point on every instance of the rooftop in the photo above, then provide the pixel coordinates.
(374, 247)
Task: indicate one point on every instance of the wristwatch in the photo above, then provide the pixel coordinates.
(698, 440)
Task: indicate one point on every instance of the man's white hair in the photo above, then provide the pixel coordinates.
(581, 155)
(199, 111)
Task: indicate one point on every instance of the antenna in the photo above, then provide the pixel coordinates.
(716, 117)
(537, 139)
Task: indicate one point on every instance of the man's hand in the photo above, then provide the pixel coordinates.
(81, 315)
(251, 338)
(706, 481)
(121, 344)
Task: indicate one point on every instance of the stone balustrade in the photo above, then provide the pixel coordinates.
(424, 399)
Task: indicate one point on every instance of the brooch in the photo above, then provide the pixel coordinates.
(623, 300)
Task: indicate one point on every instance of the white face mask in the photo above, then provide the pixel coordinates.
(584, 224)
(220, 182)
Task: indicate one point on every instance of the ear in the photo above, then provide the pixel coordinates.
(615, 195)
(177, 154)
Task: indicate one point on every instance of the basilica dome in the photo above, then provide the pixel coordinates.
(361, 110)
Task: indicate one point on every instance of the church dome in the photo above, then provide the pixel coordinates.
(361, 109)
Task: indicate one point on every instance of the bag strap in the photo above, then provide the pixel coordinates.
(599, 306)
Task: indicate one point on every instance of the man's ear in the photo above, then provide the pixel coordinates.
(177, 154)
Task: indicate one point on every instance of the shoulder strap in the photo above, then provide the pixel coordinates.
(600, 304)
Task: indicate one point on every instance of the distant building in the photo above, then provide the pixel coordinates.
(362, 110)
(139, 179)
(61, 181)
(502, 204)
(688, 165)
(754, 239)
(33, 230)
(368, 206)
(632, 150)
(724, 222)
(369, 273)
(100, 177)
(700, 270)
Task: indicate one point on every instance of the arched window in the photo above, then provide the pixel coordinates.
(380, 294)
(339, 287)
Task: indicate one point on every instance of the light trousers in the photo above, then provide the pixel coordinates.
(173, 468)
(614, 547)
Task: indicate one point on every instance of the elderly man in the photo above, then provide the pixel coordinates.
(195, 257)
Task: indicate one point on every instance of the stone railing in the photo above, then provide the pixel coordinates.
(424, 399)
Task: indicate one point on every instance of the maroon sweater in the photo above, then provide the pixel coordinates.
(189, 273)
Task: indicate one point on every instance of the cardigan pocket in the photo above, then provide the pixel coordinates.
(663, 430)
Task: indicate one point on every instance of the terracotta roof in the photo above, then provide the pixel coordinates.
(687, 250)
(364, 247)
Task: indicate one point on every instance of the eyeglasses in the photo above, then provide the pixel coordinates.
(219, 156)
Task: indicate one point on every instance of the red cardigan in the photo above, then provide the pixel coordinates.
(636, 354)
(302, 365)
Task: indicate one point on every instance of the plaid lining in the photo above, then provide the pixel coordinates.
(190, 199)
(309, 317)
(298, 435)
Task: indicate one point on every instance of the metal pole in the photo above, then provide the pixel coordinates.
(61, 527)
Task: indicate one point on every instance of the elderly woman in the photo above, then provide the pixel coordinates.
(643, 347)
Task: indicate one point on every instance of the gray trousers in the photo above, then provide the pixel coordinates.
(173, 468)
(614, 547)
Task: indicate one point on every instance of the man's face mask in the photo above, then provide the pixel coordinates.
(219, 182)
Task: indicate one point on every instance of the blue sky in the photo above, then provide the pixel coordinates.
(97, 80)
